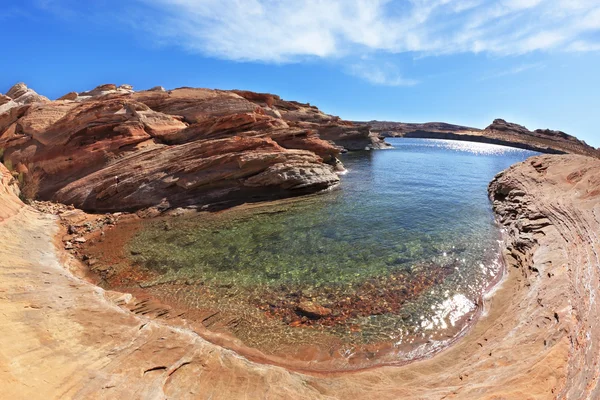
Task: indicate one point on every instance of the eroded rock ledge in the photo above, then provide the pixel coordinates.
(61, 337)
(550, 206)
(114, 149)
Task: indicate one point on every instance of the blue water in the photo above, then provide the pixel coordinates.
(417, 211)
(423, 186)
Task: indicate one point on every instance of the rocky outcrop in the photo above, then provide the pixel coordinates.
(19, 95)
(9, 192)
(219, 173)
(499, 132)
(550, 206)
(545, 141)
(102, 90)
(113, 149)
(348, 135)
(403, 129)
(352, 137)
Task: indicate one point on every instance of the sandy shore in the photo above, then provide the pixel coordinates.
(61, 337)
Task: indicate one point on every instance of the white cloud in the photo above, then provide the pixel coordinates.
(283, 31)
(583, 46)
(514, 71)
(271, 30)
(385, 74)
(289, 31)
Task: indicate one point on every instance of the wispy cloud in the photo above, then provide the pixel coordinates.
(384, 74)
(583, 46)
(513, 71)
(13, 12)
(60, 8)
(288, 30)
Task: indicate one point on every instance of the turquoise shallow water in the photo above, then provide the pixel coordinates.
(417, 214)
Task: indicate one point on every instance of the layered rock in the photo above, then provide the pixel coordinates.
(550, 206)
(404, 129)
(102, 90)
(544, 140)
(19, 95)
(112, 149)
(499, 132)
(63, 338)
(219, 173)
(9, 194)
(348, 135)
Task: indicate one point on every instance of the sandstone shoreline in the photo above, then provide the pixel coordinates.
(62, 337)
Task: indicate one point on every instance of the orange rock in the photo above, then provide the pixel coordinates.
(69, 96)
(112, 149)
(313, 310)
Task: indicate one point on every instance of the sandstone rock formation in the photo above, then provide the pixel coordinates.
(550, 206)
(113, 149)
(19, 95)
(9, 192)
(344, 133)
(546, 140)
(63, 338)
(499, 132)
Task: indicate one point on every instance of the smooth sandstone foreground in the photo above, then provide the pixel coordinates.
(61, 337)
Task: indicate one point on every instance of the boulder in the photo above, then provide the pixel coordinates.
(313, 310)
(17, 91)
(21, 94)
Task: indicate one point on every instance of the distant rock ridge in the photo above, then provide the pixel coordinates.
(114, 149)
(499, 132)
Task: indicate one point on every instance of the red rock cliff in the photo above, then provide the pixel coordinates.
(115, 149)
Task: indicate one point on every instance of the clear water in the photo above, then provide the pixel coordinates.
(403, 249)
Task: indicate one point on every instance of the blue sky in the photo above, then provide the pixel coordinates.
(534, 62)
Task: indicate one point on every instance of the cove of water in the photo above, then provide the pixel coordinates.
(396, 259)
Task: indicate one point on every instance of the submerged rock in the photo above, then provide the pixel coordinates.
(313, 310)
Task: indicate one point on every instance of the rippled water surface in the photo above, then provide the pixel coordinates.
(400, 253)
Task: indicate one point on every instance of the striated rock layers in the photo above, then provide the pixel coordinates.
(550, 206)
(113, 149)
(499, 132)
(9, 192)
